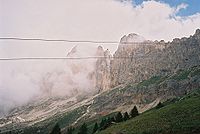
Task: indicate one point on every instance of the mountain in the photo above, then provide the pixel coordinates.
(146, 95)
(141, 73)
(137, 61)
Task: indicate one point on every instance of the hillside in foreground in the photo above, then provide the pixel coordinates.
(181, 117)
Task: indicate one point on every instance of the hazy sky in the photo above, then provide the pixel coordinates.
(78, 20)
(91, 20)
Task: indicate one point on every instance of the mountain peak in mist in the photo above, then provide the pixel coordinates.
(132, 38)
(99, 51)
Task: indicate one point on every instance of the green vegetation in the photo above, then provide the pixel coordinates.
(159, 105)
(180, 117)
(70, 130)
(106, 122)
(72, 116)
(195, 72)
(181, 75)
(119, 117)
(152, 80)
(46, 126)
(83, 129)
(184, 74)
(96, 127)
(134, 112)
(56, 129)
(126, 116)
(101, 121)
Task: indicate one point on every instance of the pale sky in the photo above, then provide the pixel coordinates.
(88, 20)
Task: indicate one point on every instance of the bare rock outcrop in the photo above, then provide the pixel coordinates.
(137, 59)
(102, 73)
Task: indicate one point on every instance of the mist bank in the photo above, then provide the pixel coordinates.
(29, 80)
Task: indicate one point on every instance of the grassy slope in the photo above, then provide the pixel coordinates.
(91, 123)
(178, 118)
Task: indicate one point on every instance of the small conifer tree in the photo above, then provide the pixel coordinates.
(126, 116)
(70, 130)
(96, 127)
(159, 105)
(83, 129)
(134, 112)
(56, 129)
(119, 117)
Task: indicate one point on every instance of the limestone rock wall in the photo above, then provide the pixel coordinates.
(134, 62)
(102, 73)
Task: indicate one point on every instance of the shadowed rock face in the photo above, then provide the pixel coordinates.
(141, 60)
(102, 69)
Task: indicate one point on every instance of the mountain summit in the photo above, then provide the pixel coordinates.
(131, 38)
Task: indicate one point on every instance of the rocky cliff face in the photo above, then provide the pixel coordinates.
(137, 59)
(102, 73)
